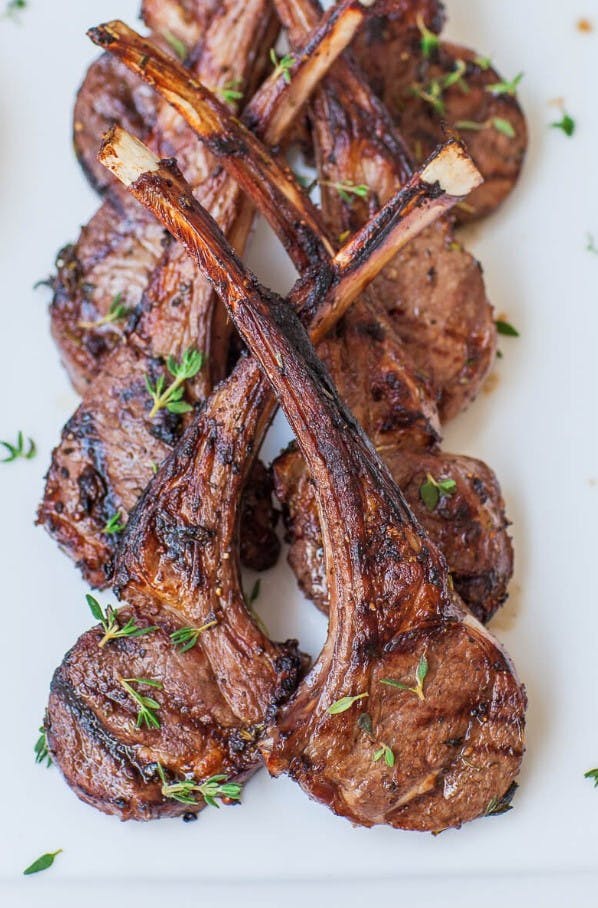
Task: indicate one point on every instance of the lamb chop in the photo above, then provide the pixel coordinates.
(375, 381)
(178, 569)
(431, 86)
(453, 741)
(98, 470)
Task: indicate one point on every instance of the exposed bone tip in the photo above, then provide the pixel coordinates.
(453, 170)
(125, 156)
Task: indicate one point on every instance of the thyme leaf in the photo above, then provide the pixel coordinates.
(566, 124)
(231, 91)
(431, 489)
(345, 703)
(593, 775)
(42, 863)
(429, 40)
(176, 44)
(113, 525)
(384, 751)
(496, 805)
(109, 621)
(506, 328)
(420, 676)
(505, 87)
(17, 450)
(41, 748)
(346, 189)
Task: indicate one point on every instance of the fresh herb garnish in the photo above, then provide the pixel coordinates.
(433, 92)
(483, 63)
(109, 622)
(230, 91)
(506, 328)
(498, 123)
(255, 591)
(13, 8)
(116, 313)
(364, 722)
(591, 245)
(41, 748)
(429, 40)
(505, 87)
(113, 525)
(18, 450)
(593, 775)
(283, 65)
(496, 806)
(384, 751)
(346, 189)
(431, 489)
(566, 123)
(147, 705)
(211, 789)
(176, 44)
(42, 863)
(345, 703)
(420, 676)
(186, 637)
(171, 397)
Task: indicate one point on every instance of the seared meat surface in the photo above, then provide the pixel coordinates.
(492, 125)
(468, 525)
(98, 469)
(178, 553)
(392, 604)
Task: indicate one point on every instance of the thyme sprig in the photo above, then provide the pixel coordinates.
(384, 751)
(433, 92)
(113, 525)
(593, 775)
(283, 65)
(176, 44)
(13, 8)
(347, 189)
(117, 312)
(431, 489)
(420, 676)
(231, 91)
(498, 123)
(109, 621)
(41, 748)
(171, 396)
(505, 87)
(566, 124)
(147, 705)
(216, 787)
(17, 450)
(185, 638)
(429, 40)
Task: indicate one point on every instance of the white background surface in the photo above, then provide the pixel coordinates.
(537, 429)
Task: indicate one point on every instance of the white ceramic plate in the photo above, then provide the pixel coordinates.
(537, 429)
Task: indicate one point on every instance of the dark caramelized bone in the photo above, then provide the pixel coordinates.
(391, 599)
(362, 354)
(178, 566)
(434, 292)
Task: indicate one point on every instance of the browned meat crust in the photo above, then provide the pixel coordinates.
(458, 746)
(468, 526)
(392, 59)
(173, 308)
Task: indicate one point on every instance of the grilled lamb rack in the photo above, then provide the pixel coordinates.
(110, 447)
(470, 527)
(453, 740)
(178, 567)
